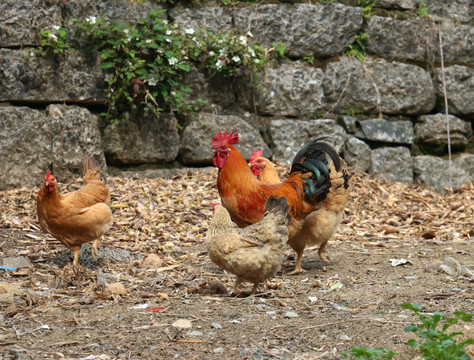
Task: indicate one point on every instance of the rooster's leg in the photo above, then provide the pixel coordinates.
(322, 253)
(94, 249)
(298, 269)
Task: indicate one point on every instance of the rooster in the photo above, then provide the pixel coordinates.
(320, 225)
(252, 253)
(77, 217)
(312, 178)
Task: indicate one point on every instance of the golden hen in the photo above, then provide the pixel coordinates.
(252, 253)
(321, 224)
(77, 217)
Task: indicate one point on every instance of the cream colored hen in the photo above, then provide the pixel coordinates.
(252, 253)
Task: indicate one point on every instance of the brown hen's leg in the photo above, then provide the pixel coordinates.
(95, 249)
(298, 269)
(322, 253)
(76, 252)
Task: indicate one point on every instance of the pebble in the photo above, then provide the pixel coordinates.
(16, 262)
(218, 350)
(195, 333)
(182, 324)
(291, 314)
(345, 337)
(216, 326)
(339, 307)
(411, 277)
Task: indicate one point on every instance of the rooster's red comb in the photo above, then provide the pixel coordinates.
(231, 138)
(256, 154)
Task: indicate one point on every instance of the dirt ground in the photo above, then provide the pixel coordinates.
(182, 306)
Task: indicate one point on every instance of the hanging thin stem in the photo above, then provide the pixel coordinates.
(445, 104)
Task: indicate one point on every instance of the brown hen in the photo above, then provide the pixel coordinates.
(77, 217)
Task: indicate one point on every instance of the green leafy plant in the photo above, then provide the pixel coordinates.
(436, 344)
(145, 63)
(309, 59)
(53, 41)
(363, 353)
(358, 49)
(422, 9)
(367, 7)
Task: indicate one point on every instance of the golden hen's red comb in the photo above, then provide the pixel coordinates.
(256, 154)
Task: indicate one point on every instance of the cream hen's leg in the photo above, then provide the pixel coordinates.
(237, 285)
(95, 249)
(322, 253)
(255, 287)
(298, 269)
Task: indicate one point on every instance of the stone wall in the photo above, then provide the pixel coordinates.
(382, 113)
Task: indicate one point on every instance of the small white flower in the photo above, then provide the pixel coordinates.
(148, 41)
(173, 93)
(91, 20)
(168, 32)
(126, 31)
(189, 31)
(249, 34)
(252, 52)
(52, 36)
(243, 39)
(211, 53)
(165, 21)
(168, 40)
(194, 38)
(220, 63)
(108, 78)
(222, 52)
(56, 27)
(236, 58)
(172, 61)
(257, 61)
(152, 82)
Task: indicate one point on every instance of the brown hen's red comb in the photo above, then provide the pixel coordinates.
(231, 138)
(48, 175)
(256, 154)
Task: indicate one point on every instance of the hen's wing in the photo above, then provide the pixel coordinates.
(274, 223)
